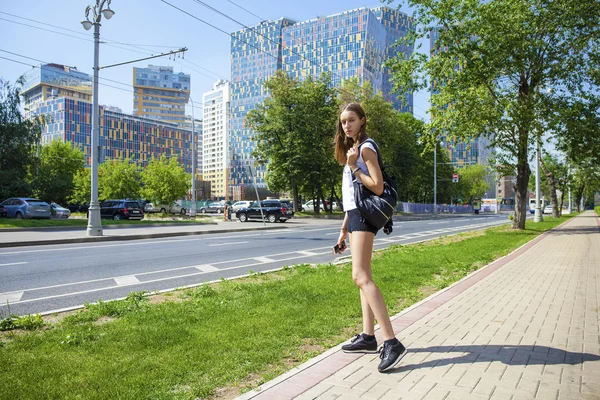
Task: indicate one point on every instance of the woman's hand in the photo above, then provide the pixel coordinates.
(352, 156)
(340, 241)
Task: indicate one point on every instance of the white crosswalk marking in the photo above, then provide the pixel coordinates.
(10, 297)
(126, 280)
(206, 268)
(307, 253)
(264, 259)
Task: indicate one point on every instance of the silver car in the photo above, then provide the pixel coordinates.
(174, 208)
(59, 212)
(25, 207)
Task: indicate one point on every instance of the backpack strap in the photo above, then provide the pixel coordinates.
(381, 166)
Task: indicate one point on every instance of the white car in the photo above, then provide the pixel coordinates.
(548, 209)
(238, 205)
(174, 208)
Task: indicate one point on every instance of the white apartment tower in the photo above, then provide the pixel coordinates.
(215, 138)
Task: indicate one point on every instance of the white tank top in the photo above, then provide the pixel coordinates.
(347, 187)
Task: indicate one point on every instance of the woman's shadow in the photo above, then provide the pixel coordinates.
(507, 354)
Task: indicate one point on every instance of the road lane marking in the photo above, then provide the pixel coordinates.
(264, 259)
(10, 297)
(206, 268)
(126, 280)
(17, 263)
(225, 244)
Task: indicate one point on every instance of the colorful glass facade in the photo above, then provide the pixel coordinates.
(161, 94)
(351, 44)
(121, 135)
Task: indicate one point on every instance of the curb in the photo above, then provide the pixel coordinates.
(130, 237)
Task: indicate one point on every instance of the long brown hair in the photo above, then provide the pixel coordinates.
(344, 143)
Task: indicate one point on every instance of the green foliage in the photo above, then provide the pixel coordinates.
(82, 187)
(53, 176)
(18, 141)
(597, 209)
(26, 322)
(118, 179)
(134, 302)
(295, 127)
(164, 181)
(471, 183)
(491, 69)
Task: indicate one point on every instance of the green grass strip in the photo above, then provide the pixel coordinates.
(237, 333)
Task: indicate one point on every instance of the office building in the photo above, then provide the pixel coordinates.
(351, 44)
(187, 125)
(160, 94)
(215, 132)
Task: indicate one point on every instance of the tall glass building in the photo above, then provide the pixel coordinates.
(351, 44)
(121, 135)
(161, 94)
(52, 81)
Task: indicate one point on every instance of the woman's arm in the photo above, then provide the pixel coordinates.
(373, 181)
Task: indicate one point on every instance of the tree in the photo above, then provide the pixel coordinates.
(119, 179)
(472, 183)
(18, 140)
(82, 187)
(556, 176)
(295, 127)
(164, 181)
(52, 177)
(495, 60)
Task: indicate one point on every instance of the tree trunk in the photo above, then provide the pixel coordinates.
(521, 185)
(578, 196)
(552, 188)
(296, 199)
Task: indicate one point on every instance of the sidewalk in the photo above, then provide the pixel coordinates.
(525, 327)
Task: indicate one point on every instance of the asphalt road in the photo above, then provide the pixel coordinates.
(53, 278)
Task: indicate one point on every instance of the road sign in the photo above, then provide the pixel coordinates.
(455, 177)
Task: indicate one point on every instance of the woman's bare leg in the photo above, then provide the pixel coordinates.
(362, 251)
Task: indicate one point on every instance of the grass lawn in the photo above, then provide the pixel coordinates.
(36, 223)
(231, 336)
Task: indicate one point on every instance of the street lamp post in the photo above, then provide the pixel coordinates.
(435, 180)
(193, 208)
(94, 227)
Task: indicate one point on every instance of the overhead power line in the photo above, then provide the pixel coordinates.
(249, 12)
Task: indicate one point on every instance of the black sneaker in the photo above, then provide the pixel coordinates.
(360, 345)
(390, 355)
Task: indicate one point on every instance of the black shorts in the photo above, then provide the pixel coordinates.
(356, 222)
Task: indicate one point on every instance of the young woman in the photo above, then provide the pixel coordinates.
(350, 134)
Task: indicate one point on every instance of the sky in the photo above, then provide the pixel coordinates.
(51, 32)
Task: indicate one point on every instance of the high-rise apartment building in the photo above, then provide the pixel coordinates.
(351, 44)
(160, 94)
(121, 135)
(197, 126)
(51, 81)
(215, 132)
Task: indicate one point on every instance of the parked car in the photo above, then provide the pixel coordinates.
(287, 204)
(215, 207)
(2, 211)
(121, 209)
(174, 208)
(309, 205)
(26, 207)
(272, 210)
(240, 204)
(548, 209)
(59, 212)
